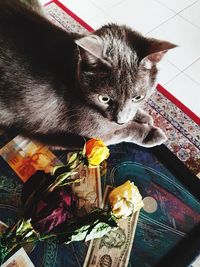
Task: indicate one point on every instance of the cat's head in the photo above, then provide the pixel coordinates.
(117, 70)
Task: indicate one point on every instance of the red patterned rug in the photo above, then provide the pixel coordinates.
(179, 123)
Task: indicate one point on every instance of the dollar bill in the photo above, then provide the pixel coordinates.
(19, 259)
(88, 189)
(114, 248)
(25, 157)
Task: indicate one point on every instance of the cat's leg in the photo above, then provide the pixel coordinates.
(143, 117)
(89, 124)
(139, 133)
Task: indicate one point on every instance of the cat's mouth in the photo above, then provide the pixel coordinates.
(120, 123)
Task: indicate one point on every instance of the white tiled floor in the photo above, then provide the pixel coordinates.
(177, 21)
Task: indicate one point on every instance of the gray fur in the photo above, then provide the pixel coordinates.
(51, 81)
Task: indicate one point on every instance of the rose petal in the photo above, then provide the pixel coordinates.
(96, 151)
(125, 199)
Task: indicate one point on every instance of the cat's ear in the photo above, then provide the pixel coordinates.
(155, 51)
(91, 48)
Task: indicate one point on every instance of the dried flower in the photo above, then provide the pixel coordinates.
(51, 209)
(96, 151)
(50, 206)
(125, 199)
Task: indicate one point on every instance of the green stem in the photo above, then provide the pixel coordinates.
(59, 180)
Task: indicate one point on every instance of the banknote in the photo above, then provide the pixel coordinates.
(88, 189)
(114, 248)
(25, 157)
(19, 259)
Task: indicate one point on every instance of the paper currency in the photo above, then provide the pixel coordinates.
(19, 259)
(25, 157)
(114, 248)
(88, 189)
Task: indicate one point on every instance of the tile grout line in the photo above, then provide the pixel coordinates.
(188, 6)
(161, 3)
(173, 65)
(161, 24)
(173, 9)
(123, 1)
(182, 72)
(179, 12)
(102, 9)
(189, 21)
(191, 63)
(172, 78)
(190, 78)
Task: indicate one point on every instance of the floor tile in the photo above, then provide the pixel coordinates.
(83, 9)
(167, 71)
(141, 15)
(185, 90)
(194, 72)
(104, 4)
(99, 20)
(177, 5)
(192, 14)
(179, 31)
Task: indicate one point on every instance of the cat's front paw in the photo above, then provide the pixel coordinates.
(144, 118)
(154, 137)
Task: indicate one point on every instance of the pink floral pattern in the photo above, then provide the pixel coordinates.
(182, 132)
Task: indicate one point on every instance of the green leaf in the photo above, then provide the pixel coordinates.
(98, 231)
(92, 225)
(79, 234)
(73, 160)
(56, 168)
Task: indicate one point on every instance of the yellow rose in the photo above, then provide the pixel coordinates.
(96, 151)
(125, 200)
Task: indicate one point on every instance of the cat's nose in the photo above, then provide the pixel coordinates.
(122, 119)
(124, 114)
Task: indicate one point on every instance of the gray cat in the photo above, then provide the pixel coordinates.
(61, 88)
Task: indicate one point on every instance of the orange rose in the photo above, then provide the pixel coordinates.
(96, 151)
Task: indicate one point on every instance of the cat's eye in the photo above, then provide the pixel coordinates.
(138, 98)
(104, 99)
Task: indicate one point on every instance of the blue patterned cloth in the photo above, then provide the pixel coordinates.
(174, 213)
